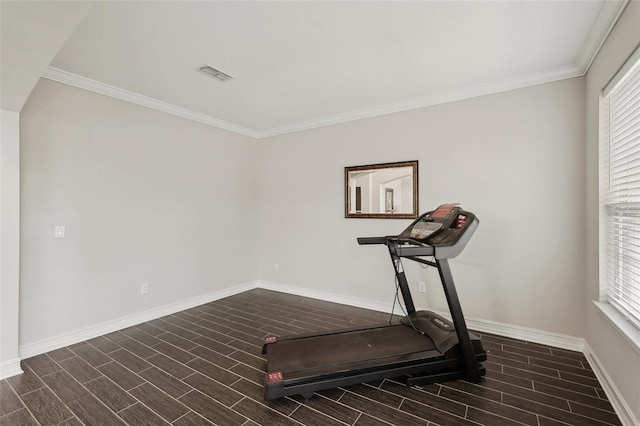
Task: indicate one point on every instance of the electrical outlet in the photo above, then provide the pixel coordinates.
(59, 231)
(422, 287)
(144, 288)
(276, 267)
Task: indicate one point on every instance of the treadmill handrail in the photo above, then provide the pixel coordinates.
(372, 240)
(409, 247)
(412, 251)
(391, 238)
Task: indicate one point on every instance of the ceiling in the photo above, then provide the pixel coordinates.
(305, 64)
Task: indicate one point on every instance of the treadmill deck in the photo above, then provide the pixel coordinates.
(338, 352)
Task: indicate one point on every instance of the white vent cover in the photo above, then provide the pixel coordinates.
(208, 69)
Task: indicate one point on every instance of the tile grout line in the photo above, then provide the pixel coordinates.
(247, 364)
(24, 406)
(89, 392)
(73, 414)
(554, 396)
(128, 392)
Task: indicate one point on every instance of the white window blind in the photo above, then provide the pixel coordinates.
(620, 189)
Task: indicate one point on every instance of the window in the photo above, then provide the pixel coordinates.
(620, 190)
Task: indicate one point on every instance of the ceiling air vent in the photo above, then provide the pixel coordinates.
(208, 69)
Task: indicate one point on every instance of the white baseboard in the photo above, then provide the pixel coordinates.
(527, 334)
(323, 295)
(10, 368)
(621, 408)
(486, 326)
(76, 336)
(501, 329)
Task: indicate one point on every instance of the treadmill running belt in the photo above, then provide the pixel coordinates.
(333, 352)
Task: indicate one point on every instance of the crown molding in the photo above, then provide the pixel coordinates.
(421, 102)
(605, 21)
(434, 99)
(607, 17)
(80, 82)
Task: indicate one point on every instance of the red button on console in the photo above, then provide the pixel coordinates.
(275, 377)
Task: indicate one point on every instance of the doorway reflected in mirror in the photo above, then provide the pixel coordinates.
(386, 191)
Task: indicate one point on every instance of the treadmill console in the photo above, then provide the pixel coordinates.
(446, 229)
(442, 233)
(441, 227)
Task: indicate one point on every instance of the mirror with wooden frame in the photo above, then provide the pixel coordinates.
(381, 191)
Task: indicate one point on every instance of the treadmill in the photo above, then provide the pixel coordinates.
(423, 347)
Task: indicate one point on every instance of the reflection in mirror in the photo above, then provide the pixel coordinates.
(387, 190)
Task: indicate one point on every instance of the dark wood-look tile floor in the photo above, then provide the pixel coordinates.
(204, 366)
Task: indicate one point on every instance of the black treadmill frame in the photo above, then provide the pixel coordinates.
(417, 373)
(429, 370)
(446, 277)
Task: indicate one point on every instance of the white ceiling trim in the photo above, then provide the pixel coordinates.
(608, 16)
(421, 102)
(80, 82)
(430, 100)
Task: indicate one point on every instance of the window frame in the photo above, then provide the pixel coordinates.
(609, 226)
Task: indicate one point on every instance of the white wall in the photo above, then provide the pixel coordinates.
(516, 159)
(31, 33)
(139, 194)
(39, 29)
(9, 242)
(618, 356)
(144, 196)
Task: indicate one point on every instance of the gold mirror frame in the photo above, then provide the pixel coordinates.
(391, 210)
